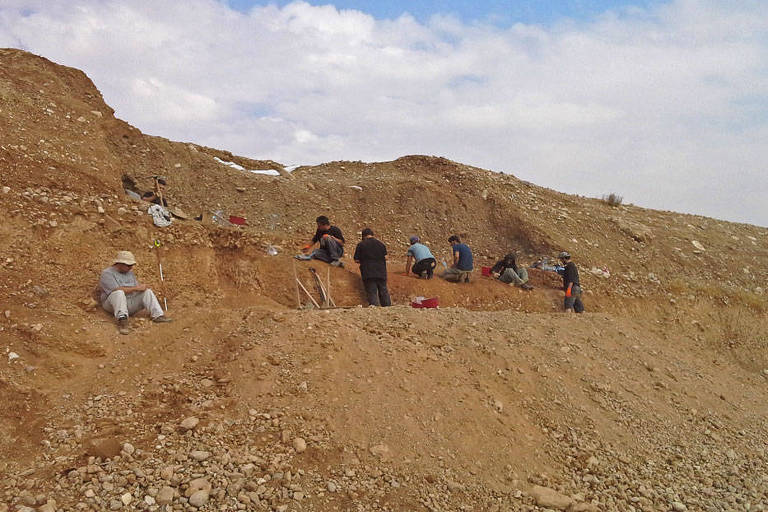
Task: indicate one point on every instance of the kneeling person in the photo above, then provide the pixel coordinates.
(122, 295)
(424, 261)
(371, 255)
(462, 261)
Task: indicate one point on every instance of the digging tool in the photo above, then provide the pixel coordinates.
(157, 245)
(320, 287)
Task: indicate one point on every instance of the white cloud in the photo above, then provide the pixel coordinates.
(666, 106)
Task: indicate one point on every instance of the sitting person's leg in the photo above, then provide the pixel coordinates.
(117, 304)
(452, 274)
(511, 277)
(424, 266)
(150, 303)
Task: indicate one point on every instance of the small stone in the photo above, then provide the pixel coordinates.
(678, 507)
(149, 500)
(126, 498)
(189, 423)
(48, 507)
(6, 190)
(331, 487)
(199, 455)
(89, 493)
(199, 498)
(129, 448)
(198, 484)
(115, 505)
(165, 496)
(299, 444)
(380, 450)
(549, 498)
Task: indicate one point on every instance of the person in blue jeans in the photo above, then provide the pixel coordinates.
(424, 262)
(462, 261)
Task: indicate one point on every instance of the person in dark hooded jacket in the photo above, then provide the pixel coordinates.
(507, 271)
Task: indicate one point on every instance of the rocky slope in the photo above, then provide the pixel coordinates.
(652, 401)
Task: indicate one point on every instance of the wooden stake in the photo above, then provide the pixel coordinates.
(298, 281)
(328, 290)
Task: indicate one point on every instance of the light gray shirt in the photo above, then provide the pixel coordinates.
(111, 279)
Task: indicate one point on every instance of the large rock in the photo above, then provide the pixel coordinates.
(550, 498)
(199, 498)
(165, 496)
(198, 484)
(189, 423)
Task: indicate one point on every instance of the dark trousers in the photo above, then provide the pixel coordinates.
(376, 291)
(574, 301)
(330, 250)
(426, 265)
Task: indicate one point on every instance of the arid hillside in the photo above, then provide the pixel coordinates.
(653, 400)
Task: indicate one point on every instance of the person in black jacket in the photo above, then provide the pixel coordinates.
(507, 271)
(571, 285)
(371, 255)
(331, 242)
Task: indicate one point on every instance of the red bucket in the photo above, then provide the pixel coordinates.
(426, 303)
(486, 271)
(234, 219)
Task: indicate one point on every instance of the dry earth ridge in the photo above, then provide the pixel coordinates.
(654, 400)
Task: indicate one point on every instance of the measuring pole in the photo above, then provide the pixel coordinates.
(157, 245)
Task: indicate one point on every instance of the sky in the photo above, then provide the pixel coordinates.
(662, 102)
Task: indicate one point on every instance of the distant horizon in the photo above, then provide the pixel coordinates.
(662, 102)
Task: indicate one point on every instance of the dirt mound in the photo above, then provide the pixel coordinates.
(653, 400)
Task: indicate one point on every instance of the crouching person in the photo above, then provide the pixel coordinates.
(507, 271)
(122, 295)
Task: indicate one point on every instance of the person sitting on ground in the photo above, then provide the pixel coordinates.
(371, 255)
(424, 262)
(570, 273)
(122, 295)
(331, 241)
(507, 271)
(462, 261)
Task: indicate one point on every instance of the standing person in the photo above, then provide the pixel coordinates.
(462, 261)
(122, 294)
(424, 261)
(507, 271)
(570, 273)
(371, 255)
(331, 242)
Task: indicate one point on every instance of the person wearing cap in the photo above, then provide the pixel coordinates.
(507, 271)
(371, 255)
(424, 262)
(122, 295)
(570, 273)
(462, 261)
(331, 241)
